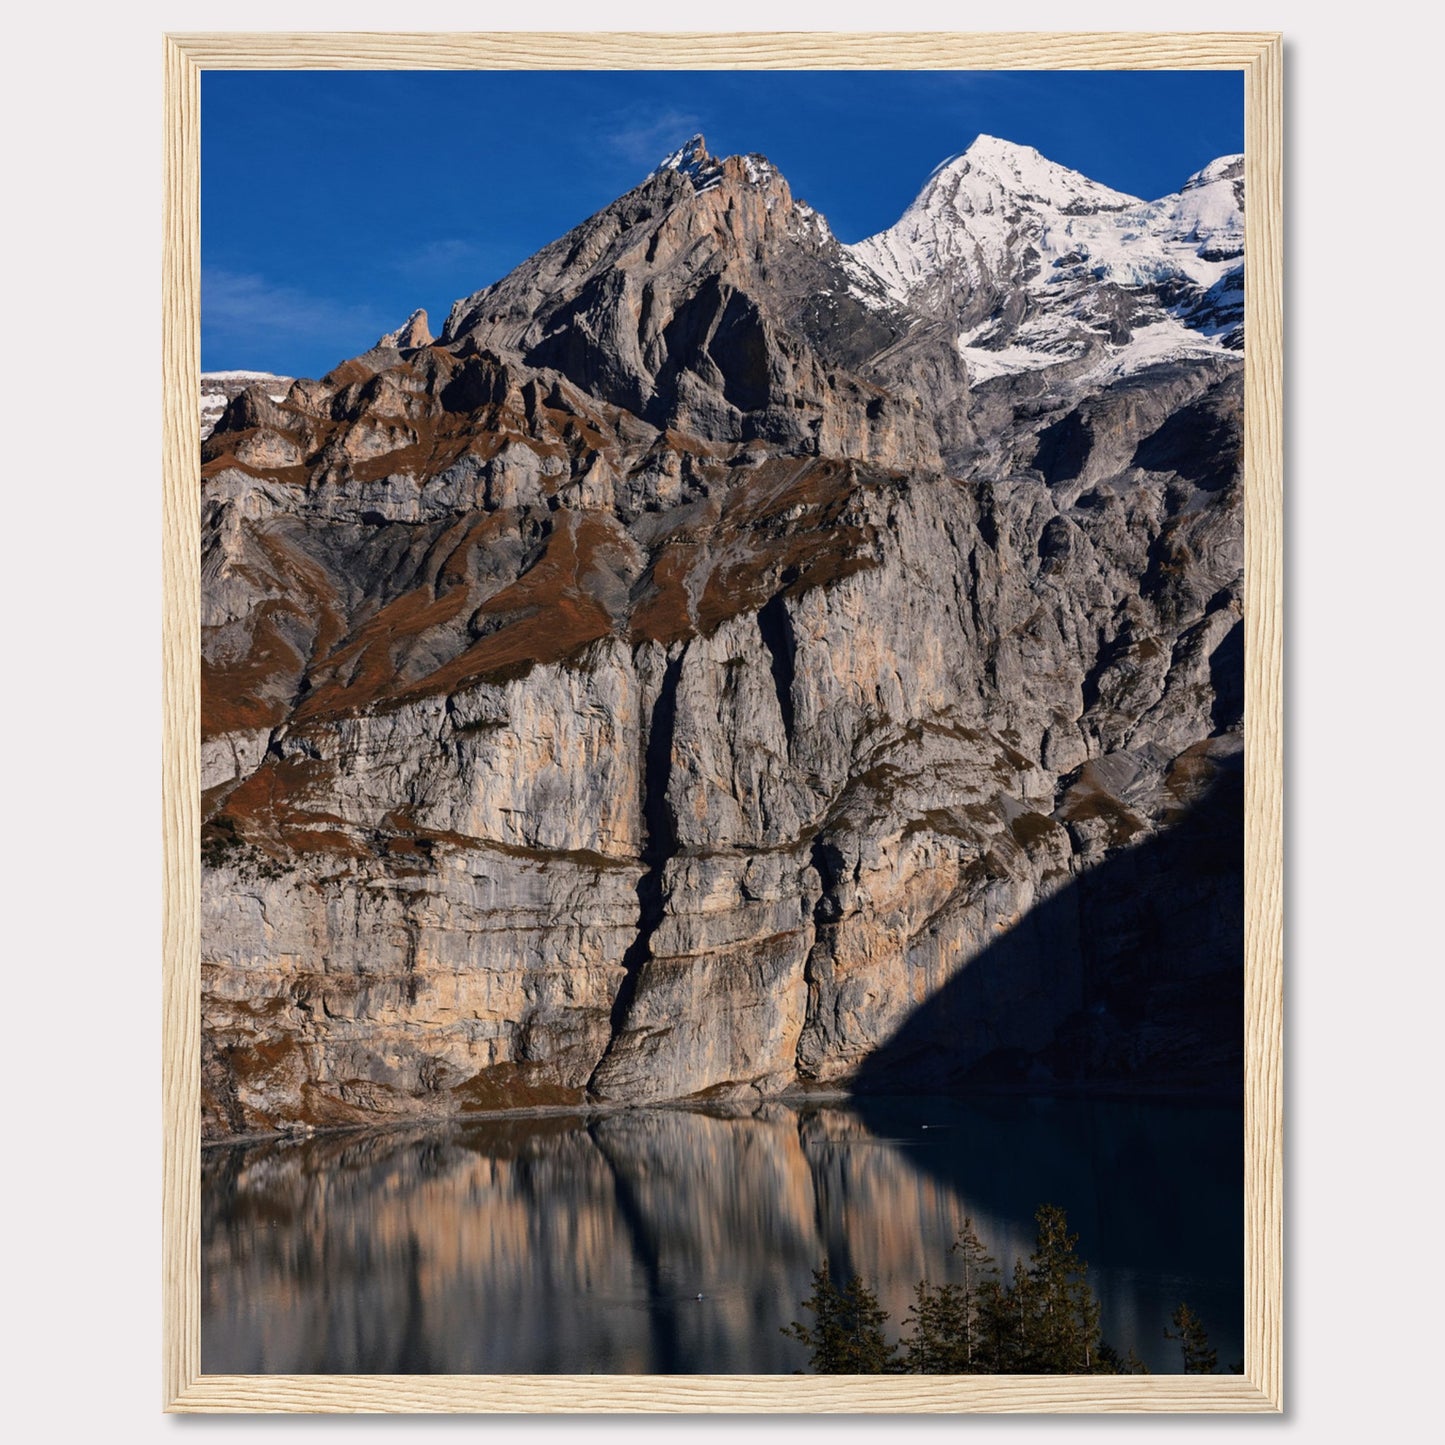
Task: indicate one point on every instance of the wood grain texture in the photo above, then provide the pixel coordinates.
(1258, 56)
(181, 770)
(780, 50)
(722, 1394)
(1264, 717)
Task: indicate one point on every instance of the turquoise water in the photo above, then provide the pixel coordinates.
(581, 1244)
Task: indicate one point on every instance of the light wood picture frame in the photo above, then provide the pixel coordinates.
(1258, 56)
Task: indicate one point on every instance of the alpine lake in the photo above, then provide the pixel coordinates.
(681, 1241)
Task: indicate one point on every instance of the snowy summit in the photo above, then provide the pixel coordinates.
(1038, 264)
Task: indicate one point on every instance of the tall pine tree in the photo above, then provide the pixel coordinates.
(947, 1323)
(846, 1336)
(978, 1269)
(939, 1321)
(1065, 1337)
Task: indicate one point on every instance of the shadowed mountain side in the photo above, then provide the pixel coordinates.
(1159, 936)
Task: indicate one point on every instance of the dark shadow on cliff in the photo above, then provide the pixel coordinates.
(661, 841)
(1149, 979)
(1135, 1122)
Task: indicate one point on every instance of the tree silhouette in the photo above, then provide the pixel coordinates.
(1199, 1357)
(1064, 1336)
(946, 1318)
(846, 1336)
(1044, 1320)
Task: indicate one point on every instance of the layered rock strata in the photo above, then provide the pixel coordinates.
(673, 680)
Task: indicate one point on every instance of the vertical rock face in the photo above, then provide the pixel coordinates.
(676, 680)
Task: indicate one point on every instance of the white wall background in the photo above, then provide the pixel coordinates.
(79, 538)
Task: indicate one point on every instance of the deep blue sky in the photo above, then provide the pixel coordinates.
(335, 202)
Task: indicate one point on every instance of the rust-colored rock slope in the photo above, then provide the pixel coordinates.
(673, 680)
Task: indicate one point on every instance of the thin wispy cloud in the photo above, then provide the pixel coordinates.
(251, 315)
(443, 252)
(643, 138)
(445, 256)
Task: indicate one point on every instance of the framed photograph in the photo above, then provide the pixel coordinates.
(722, 760)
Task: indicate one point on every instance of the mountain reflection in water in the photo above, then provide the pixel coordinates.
(581, 1244)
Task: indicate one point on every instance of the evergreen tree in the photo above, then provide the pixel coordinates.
(978, 1269)
(1064, 1316)
(947, 1336)
(1111, 1362)
(1012, 1327)
(939, 1320)
(846, 1336)
(1199, 1357)
(1044, 1320)
(994, 1333)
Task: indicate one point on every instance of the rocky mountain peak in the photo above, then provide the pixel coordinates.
(723, 308)
(689, 159)
(220, 388)
(712, 174)
(413, 332)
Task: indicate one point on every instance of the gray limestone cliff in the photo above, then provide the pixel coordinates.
(678, 680)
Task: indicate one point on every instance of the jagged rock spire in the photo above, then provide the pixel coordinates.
(412, 333)
(691, 158)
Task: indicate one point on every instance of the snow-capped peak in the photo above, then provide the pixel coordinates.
(760, 170)
(693, 161)
(984, 218)
(1018, 252)
(690, 158)
(985, 145)
(1020, 171)
(1224, 168)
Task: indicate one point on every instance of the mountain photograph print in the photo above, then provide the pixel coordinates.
(722, 722)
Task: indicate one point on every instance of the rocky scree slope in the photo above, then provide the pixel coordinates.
(675, 681)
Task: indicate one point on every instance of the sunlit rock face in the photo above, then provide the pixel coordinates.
(676, 679)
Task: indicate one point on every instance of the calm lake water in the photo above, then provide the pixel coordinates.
(578, 1245)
